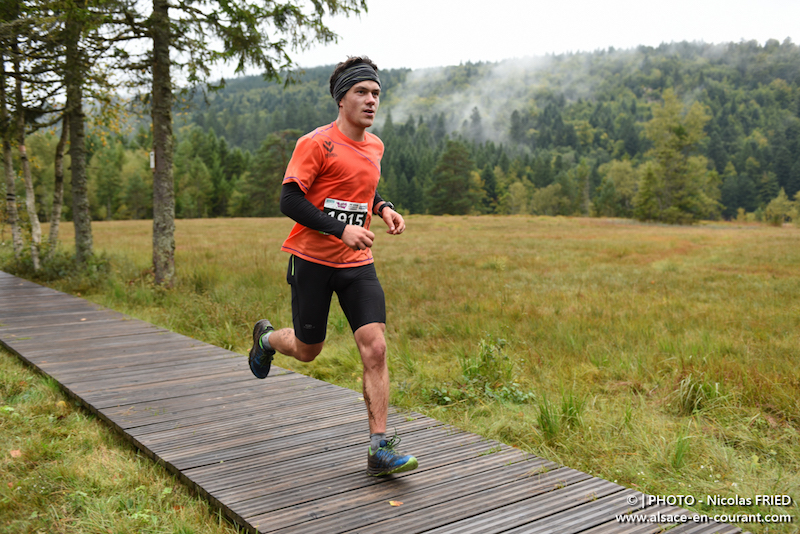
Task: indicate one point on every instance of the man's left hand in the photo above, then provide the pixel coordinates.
(394, 221)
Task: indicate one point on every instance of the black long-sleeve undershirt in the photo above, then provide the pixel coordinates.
(296, 206)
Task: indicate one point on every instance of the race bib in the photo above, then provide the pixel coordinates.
(347, 212)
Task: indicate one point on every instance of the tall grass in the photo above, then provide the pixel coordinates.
(679, 344)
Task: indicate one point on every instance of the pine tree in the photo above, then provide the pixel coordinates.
(681, 189)
(452, 191)
(647, 205)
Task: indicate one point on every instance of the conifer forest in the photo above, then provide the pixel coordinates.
(676, 134)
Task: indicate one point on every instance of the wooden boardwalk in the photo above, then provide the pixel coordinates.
(288, 454)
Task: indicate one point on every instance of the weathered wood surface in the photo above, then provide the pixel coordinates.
(288, 454)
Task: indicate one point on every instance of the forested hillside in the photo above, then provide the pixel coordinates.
(677, 133)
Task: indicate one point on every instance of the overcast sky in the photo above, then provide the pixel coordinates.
(431, 33)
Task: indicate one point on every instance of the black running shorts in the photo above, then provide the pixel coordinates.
(360, 296)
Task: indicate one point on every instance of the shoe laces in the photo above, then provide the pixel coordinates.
(391, 443)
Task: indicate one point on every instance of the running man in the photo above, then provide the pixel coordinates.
(330, 191)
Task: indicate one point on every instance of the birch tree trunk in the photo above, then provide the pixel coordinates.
(163, 186)
(30, 195)
(8, 166)
(58, 187)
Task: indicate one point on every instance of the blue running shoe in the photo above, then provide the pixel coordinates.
(388, 461)
(260, 359)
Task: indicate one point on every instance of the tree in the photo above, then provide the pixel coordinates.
(768, 188)
(106, 168)
(24, 38)
(90, 32)
(257, 193)
(647, 204)
(451, 190)
(139, 194)
(8, 165)
(475, 128)
(195, 190)
(517, 202)
(161, 112)
(30, 195)
(617, 189)
(582, 179)
(605, 203)
(738, 191)
(681, 183)
(780, 209)
(75, 68)
(630, 136)
(490, 186)
(58, 186)
(549, 201)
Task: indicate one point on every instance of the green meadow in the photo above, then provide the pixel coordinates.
(663, 358)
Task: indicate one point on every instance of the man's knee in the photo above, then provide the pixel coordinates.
(377, 348)
(307, 353)
(375, 358)
(372, 345)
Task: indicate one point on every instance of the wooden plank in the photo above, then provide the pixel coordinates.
(443, 474)
(430, 512)
(242, 443)
(616, 527)
(256, 445)
(347, 461)
(593, 512)
(122, 352)
(157, 389)
(705, 528)
(202, 407)
(113, 367)
(57, 340)
(439, 471)
(219, 416)
(111, 339)
(136, 376)
(223, 431)
(157, 392)
(58, 318)
(244, 473)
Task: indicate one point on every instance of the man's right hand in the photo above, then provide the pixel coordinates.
(357, 237)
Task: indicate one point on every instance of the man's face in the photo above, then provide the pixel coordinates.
(360, 103)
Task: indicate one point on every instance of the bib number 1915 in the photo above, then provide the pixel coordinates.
(347, 212)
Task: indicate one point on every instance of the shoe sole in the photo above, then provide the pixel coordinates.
(252, 369)
(251, 354)
(408, 466)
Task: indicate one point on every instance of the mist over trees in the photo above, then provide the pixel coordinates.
(674, 134)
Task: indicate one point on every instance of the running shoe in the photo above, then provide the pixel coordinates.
(260, 359)
(387, 460)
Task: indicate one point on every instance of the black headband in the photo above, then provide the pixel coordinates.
(349, 77)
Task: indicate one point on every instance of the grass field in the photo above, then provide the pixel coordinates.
(63, 471)
(663, 358)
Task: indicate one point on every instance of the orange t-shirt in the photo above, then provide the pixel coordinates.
(338, 176)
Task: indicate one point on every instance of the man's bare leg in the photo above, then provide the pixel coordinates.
(372, 347)
(383, 458)
(285, 342)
